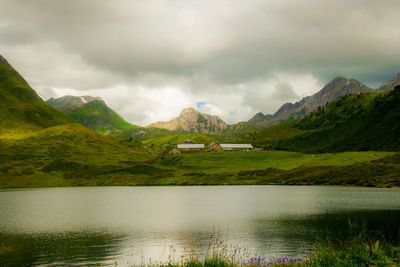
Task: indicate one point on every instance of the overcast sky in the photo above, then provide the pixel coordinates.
(148, 59)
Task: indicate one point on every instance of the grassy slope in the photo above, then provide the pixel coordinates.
(21, 109)
(40, 146)
(144, 133)
(97, 116)
(179, 139)
(369, 121)
(71, 155)
(234, 132)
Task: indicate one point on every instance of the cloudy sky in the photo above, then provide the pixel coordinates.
(148, 59)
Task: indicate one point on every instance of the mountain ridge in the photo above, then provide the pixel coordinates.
(191, 120)
(358, 122)
(336, 88)
(21, 109)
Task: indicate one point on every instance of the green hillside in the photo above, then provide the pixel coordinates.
(234, 132)
(72, 155)
(40, 146)
(144, 133)
(91, 112)
(21, 109)
(368, 121)
(97, 116)
(179, 139)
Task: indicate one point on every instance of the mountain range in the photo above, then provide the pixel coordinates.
(92, 112)
(43, 146)
(358, 122)
(336, 88)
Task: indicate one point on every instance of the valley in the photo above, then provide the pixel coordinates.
(80, 141)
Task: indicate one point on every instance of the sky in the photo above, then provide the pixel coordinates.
(148, 59)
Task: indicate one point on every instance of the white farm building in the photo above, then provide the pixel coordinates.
(187, 147)
(232, 147)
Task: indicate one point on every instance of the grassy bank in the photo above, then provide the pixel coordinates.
(356, 246)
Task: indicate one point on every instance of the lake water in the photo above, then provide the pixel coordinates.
(133, 225)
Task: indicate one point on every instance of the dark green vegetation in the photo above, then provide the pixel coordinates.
(356, 245)
(21, 109)
(95, 114)
(145, 133)
(179, 139)
(289, 168)
(362, 122)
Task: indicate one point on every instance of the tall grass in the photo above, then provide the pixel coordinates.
(359, 247)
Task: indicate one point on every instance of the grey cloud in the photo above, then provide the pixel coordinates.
(199, 46)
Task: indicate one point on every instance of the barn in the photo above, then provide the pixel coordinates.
(213, 147)
(234, 147)
(190, 147)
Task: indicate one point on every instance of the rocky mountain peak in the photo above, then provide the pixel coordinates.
(336, 88)
(191, 120)
(188, 110)
(389, 85)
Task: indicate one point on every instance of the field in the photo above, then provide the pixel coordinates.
(72, 155)
(179, 139)
(256, 160)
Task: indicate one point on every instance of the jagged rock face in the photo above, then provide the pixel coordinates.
(68, 102)
(333, 90)
(190, 120)
(389, 85)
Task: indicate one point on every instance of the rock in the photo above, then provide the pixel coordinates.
(191, 120)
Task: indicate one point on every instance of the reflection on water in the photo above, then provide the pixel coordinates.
(129, 225)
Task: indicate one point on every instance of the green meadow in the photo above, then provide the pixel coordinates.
(179, 139)
(255, 160)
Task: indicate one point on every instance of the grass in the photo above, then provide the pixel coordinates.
(355, 246)
(179, 139)
(72, 155)
(96, 115)
(21, 109)
(256, 160)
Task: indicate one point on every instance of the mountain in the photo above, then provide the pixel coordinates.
(369, 121)
(91, 112)
(21, 109)
(69, 102)
(190, 120)
(389, 85)
(40, 146)
(259, 119)
(333, 90)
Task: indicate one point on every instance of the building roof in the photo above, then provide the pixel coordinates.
(213, 144)
(248, 146)
(188, 146)
(188, 141)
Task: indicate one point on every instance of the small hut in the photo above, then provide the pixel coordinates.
(188, 141)
(213, 147)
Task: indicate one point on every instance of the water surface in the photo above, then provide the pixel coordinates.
(131, 225)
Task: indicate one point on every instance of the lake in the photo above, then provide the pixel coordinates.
(134, 225)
